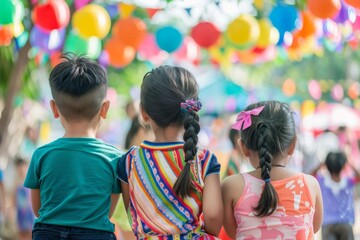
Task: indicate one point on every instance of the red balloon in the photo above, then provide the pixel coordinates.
(5, 36)
(130, 31)
(53, 14)
(205, 34)
(324, 8)
(354, 3)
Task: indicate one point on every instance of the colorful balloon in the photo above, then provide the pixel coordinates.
(285, 18)
(5, 36)
(76, 44)
(120, 54)
(130, 31)
(308, 25)
(80, 3)
(205, 34)
(47, 41)
(11, 11)
(168, 38)
(54, 14)
(324, 8)
(92, 21)
(268, 34)
(346, 12)
(243, 31)
(354, 3)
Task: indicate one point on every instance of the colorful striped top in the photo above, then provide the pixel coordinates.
(155, 211)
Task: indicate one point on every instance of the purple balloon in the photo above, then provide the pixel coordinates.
(103, 59)
(346, 13)
(47, 41)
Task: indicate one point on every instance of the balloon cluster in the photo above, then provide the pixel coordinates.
(113, 35)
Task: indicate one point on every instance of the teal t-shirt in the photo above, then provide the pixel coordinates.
(76, 177)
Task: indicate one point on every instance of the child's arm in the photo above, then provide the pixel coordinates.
(125, 194)
(114, 201)
(356, 172)
(315, 191)
(228, 191)
(35, 201)
(212, 205)
(314, 172)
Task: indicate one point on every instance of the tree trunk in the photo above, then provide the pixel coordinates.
(14, 86)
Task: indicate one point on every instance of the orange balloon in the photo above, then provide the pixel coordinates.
(120, 54)
(308, 27)
(6, 35)
(324, 8)
(354, 3)
(131, 31)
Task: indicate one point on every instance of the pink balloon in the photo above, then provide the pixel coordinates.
(314, 89)
(356, 24)
(337, 92)
(189, 51)
(80, 3)
(148, 48)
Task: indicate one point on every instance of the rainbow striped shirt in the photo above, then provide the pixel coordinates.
(155, 211)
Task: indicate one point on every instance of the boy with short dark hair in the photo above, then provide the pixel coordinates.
(73, 179)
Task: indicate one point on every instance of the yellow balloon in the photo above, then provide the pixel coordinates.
(259, 4)
(308, 107)
(126, 9)
(269, 35)
(92, 21)
(17, 28)
(243, 30)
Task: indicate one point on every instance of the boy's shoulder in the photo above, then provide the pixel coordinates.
(78, 144)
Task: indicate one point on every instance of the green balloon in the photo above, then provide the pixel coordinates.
(11, 11)
(90, 47)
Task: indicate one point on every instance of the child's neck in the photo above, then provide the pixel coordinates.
(336, 177)
(169, 134)
(80, 130)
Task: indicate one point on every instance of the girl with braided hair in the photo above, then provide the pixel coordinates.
(271, 202)
(170, 186)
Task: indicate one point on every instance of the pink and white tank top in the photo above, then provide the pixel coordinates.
(293, 218)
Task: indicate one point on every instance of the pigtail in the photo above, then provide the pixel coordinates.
(269, 198)
(184, 184)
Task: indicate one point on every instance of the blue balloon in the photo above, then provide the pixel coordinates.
(285, 18)
(47, 41)
(169, 38)
(112, 9)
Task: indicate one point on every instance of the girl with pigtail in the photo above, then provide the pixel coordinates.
(270, 202)
(170, 186)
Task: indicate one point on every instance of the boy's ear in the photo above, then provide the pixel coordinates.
(292, 147)
(54, 109)
(244, 149)
(104, 109)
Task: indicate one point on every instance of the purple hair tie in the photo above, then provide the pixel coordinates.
(191, 105)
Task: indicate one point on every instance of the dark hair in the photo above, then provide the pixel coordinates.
(234, 136)
(133, 130)
(162, 91)
(271, 133)
(335, 162)
(78, 86)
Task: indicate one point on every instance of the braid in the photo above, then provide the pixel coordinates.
(269, 198)
(183, 184)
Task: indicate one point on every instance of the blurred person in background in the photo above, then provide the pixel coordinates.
(22, 202)
(338, 196)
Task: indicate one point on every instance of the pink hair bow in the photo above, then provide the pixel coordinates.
(243, 120)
